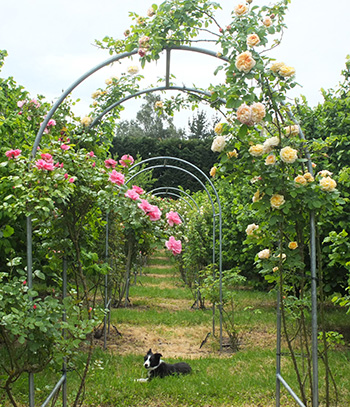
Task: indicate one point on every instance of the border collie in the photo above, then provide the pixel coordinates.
(156, 367)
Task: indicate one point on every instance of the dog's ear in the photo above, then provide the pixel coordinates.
(150, 351)
(159, 355)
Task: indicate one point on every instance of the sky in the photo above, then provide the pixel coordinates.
(51, 44)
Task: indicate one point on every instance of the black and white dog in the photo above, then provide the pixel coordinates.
(156, 367)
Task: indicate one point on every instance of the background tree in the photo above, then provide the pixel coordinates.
(200, 127)
(151, 121)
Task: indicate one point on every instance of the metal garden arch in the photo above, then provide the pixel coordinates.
(279, 378)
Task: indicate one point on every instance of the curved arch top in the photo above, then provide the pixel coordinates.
(110, 61)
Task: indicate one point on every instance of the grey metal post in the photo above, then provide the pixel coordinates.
(30, 286)
(64, 366)
(278, 349)
(314, 311)
(106, 286)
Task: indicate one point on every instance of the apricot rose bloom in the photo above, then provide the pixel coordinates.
(292, 245)
(252, 40)
(264, 254)
(277, 201)
(258, 112)
(241, 9)
(245, 62)
(288, 155)
(257, 150)
(328, 184)
(275, 68)
(244, 115)
(218, 144)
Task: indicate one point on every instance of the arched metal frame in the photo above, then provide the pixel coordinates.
(279, 378)
(165, 190)
(216, 213)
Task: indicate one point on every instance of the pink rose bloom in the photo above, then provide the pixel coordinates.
(145, 206)
(173, 218)
(94, 164)
(155, 213)
(34, 102)
(91, 154)
(126, 160)
(137, 189)
(116, 177)
(66, 176)
(110, 163)
(13, 153)
(71, 180)
(174, 245)
(65, 147)
(51, 122)
(44, 165)
(47, 157)
(21, 103)
(132, 194)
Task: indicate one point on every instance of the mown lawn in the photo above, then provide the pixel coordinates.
(161, 317)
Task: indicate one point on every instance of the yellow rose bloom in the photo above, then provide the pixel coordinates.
(275, 269)
(86, 121)
(287, 71)
(267, 22)
(109, 81)
(218, 144)
(245, 62)
(300, 179)
(309, 177)
(288, 155)
(158, 104)
(232, 154)
(218, 129)
(264, 254)
(270, 159)
(257, 150)
(275, 68)
(292, 130)
(252, 40)
(292, 245)
(257, 196)
(328, 184)
(252, 229)
(213, 171)
(277, 201)
(133, 70)
(96, 94)
(325, 173)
